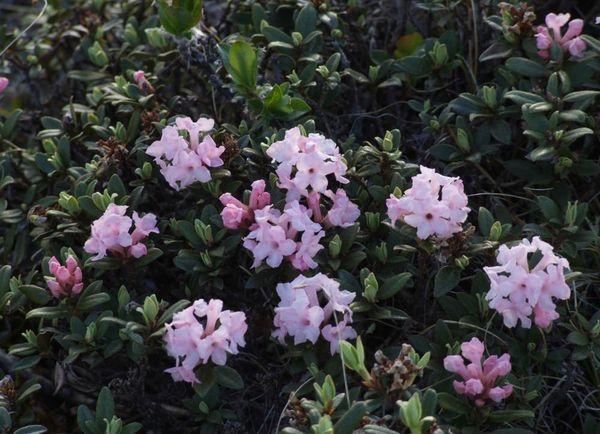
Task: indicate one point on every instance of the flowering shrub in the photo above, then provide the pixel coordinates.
(299, 217)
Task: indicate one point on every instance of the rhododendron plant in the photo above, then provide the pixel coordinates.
(201, 333)
(111, 233)
(519, 288)
(67, 279)
(479, 378)
(551, 33)
(435, 205)
(186, 151)
(311, 307)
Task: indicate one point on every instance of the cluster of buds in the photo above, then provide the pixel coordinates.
(67, 279)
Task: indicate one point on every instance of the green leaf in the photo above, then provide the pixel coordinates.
(520, 97)
(450, 402)
(578, 338)
(115, 185)
(500, 416)
(26, 363)
(351, 419)
(241, 62)
(36, 294)
(229, 377)
(91, 301)
(498, 50)
(179, 17)
(446, 280)
(581, 96)
(526, 67)
(152, 255)
(306, 21)
(105, 406)
(48, 312)
(31, 429)
(549, 209)
(392, 285)
(485, 220)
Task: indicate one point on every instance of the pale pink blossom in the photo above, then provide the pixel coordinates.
(237, 215)
(4, 82)
(517, 290)
(479, 380)
(111, 233)
(307, 249)
(272, 237)
(343, 213)
(307, 310)
(201, 333)
(67, 279)
(304, 163)
(435, 205)
(551, 32)
(186, 152)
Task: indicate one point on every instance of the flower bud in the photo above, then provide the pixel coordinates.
(496, 231)
(381, 252)
(335, 246)
(373, 220)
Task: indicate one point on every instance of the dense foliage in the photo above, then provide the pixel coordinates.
(299, 216)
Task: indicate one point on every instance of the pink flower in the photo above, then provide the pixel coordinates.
(273, 234)
(307, 249)
(335, 334)
(343, 213)
(140, 78)
(4, 82)
(111, 232)
(301, 315)
(570, 41)
(435, 205)
(305, 163)
(517, 292)
(67, 280)
(235, 214)
(192, 342)
(186, 160)
(479, 379)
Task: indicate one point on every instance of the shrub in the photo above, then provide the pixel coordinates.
(321, 216)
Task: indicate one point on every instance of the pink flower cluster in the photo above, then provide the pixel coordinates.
(435, 205)
(237, 215)
(192, 342)
(305, 162)
(550, 33)
(300, 313)
(275, 235)
(294, 233)
(4, 82)
(110, 233)
(185, 152)
(517, 291)
(67, 280)
(479, 379)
